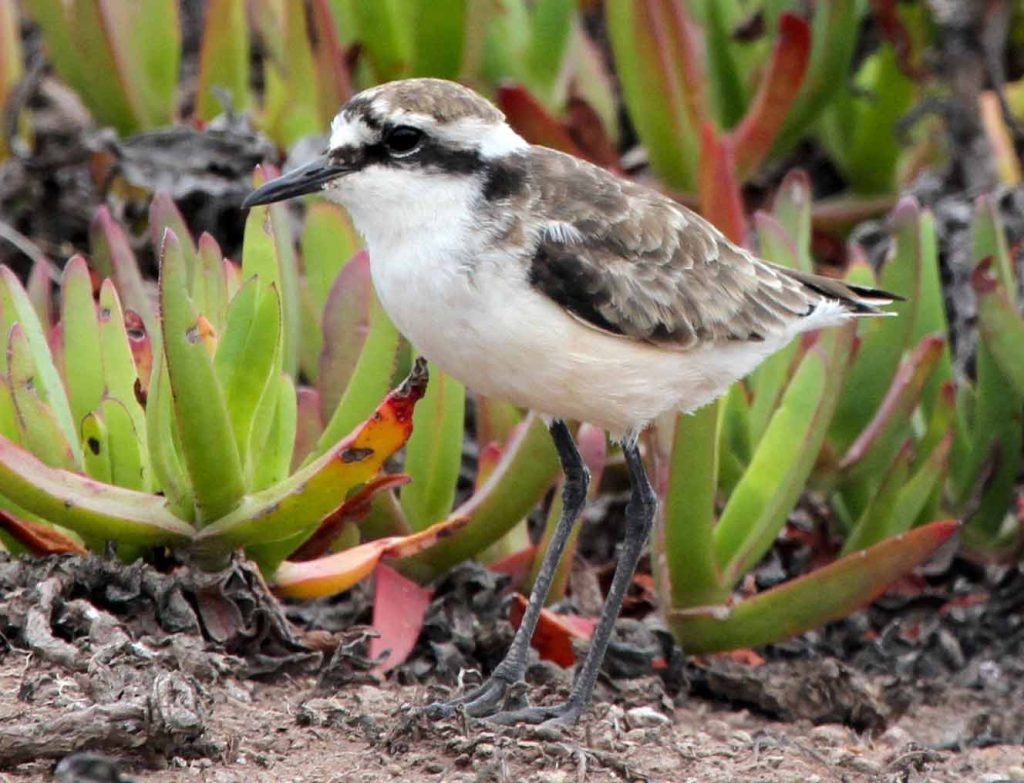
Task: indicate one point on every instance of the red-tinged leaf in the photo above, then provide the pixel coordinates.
(113, 257)
(756, 133)
(533, 122)
(1000, 324)
(830, 593)
(39, 288)
(840, 213)
(40, 540)
(720, 199)
(889, 24)
(309, 425)
(399, 605)
(274, 522)
(334, 82)
(881, 436)
(586, 129)
(355, 508)
(553, 638)
(516, 566)
(486, 461)
(164, 214)
(338, 572)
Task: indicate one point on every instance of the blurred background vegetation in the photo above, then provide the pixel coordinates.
(878, 141)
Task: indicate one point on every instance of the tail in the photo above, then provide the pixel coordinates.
(857, 300)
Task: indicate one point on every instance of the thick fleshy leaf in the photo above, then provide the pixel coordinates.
(884, 340)
(39, 430)
(876, 522)
(96, 447)
(248, 364)
(164, 450)
(433, 455)
(39, 288)
(997, 425)
(163, 215)
(211, 286)
(89, 508)
(275, 522)
(38, 539)
(82, 354)
(15, 307)
(128, 449)
(779, 87)
(832, 49)
(880, 439)
(801, 604)
(337, 573)
(658, 62)
(533, 122)
(686, 564)
(334, 82)
(201, 416)
(270, 255)
(720, 199)
(272, 461)
(291, 108)
(122, 381)
(329, 242)
(528, 466)
(223, 59)
(11, 63)
(308, 426)
(113, 257)
(778, 470)
(361, 348)
(399, 605)
(438, 38)
(386, 30)
(1001, 326)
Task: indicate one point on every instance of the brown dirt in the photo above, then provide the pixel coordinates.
(283, 731)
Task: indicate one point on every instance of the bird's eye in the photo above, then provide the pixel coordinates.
(403, 140)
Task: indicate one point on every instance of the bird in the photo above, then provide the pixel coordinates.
(535, 277)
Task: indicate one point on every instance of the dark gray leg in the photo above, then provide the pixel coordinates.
(640, 511)
(490, 696)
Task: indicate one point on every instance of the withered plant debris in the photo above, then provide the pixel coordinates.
(826, 691)
(141, 644)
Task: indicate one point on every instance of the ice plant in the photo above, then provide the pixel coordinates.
(761, 446)
(182, 434)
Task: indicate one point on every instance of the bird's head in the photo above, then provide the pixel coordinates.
(415, 139)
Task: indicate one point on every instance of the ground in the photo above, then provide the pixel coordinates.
(286, 731)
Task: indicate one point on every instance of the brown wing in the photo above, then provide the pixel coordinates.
(640, 265)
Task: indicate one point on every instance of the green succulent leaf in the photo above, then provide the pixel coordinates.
(200, 412)
(361, 348)
(433, 455)
(90, 508)
(527, 468)
(82, 355)
(686, 547)
(224, 59)
(799, 605)
(784, 458)
(113, 257)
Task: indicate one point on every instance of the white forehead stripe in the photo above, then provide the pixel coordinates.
(349, 132)
(492, 139)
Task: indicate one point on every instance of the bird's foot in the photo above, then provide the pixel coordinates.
(497, 693)
(567, 715)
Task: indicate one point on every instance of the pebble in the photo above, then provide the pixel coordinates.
(640, 717)
(831, 735)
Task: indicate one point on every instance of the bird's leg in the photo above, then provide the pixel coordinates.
(640, 511)
(490, 696)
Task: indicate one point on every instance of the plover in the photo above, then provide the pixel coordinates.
(538, 278)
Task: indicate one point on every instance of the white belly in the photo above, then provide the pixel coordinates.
(501, 338)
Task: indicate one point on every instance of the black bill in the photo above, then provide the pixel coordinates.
(306, 179)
